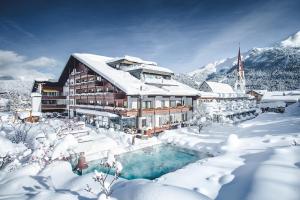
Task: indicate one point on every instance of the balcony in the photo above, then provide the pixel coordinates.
(120, 96)
(53, 106)
(53, 97)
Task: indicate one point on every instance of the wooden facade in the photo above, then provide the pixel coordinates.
(83, 89)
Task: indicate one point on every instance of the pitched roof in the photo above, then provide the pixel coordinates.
(132, 59)
(149, 67)
(128, 83)
(286, 96)
(217, 87)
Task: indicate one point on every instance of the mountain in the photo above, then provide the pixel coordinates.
(272, 68)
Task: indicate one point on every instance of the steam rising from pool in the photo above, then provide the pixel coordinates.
(151, 162)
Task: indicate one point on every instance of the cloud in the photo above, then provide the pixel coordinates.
(20, 67)
(256, 28)
(13, 27)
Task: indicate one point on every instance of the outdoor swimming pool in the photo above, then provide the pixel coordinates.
(151, 162)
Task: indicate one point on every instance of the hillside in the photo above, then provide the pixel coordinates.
(17, 92)
(273, 68)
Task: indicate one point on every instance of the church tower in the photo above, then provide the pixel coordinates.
(240, 83)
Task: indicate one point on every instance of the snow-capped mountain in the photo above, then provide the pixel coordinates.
(273, 68)
(291, 41)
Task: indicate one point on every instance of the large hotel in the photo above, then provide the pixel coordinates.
(130, 93)
(125, 92)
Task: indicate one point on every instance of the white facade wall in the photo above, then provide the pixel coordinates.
(36, 102)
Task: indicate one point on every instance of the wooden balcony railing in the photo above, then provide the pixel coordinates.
(53, 106)
(53, 97)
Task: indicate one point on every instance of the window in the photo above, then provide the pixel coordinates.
(147, 104)
(173, 103)
(183, 102)
(163, 103)
(178, 103)
(144, 122)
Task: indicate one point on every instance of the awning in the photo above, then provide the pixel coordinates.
(49, 90)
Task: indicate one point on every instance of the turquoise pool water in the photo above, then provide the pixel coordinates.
(151, 162)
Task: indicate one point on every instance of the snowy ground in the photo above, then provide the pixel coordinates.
(256, 159)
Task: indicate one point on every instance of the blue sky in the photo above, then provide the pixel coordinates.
(181, 35)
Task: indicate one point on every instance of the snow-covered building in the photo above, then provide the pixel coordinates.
(222, 89)
(223, 103)
(121, 92)
(258, 94)
(52, 99)
(276, 101)
(288, 97)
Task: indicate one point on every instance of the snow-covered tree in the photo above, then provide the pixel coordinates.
(111, 166)
(201, 116)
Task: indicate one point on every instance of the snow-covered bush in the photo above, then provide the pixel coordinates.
(62, 148)
(9, 152)
(111, 165)
(4, 160)
(20, 133)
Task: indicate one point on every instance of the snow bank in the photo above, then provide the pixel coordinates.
(7, 147)
(279, 176)
(63, 146)
(232, 143)
(147, 190)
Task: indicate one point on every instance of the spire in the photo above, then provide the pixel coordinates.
(240, 66)
(240, 84)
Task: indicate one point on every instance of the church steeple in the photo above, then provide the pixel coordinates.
(240, 66)
(240, 83)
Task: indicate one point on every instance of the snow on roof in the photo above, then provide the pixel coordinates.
(96, 112)
(208, 94)
(217, 87)
(149, 67)
(286, 96)
(274, 104)
(260, 91)
(133, 59)
(35, 94)
(128, 83)
(26, 114)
